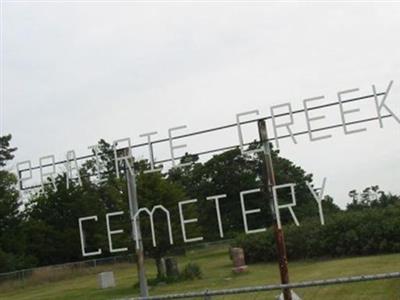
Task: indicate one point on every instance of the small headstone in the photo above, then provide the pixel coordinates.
(239, 265)
(171, 265)
(294, 296)
(161, 267)
(106, 280)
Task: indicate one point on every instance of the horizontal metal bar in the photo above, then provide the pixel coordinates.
(247, 144)
(266, 118)
(272, 287)
(217, 128)
(281, 137)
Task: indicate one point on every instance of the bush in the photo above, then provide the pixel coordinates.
(10, 262)
(349, 233)
(191, 272)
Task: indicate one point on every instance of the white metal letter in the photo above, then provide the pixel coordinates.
(350, 111)
(71, 164)
(20, 166)
(82, 236)
(151, 213)
(151, 154)
(111, 232)
(286, 125)
(186, 221)
(250, 211)
(216, 199)
(173, 148)
(43, 175)
(240, 133)
(95, 149)
(309, 119)
(288, 206)
(124, 157)
(318, 197)
(382, 104)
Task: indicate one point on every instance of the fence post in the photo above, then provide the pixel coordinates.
(23, 277)
(133, 208)
(269, 182)
(206, 295)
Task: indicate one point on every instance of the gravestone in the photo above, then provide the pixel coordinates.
(171, 265)
(237, 256)
(106, 280)
(161, 267)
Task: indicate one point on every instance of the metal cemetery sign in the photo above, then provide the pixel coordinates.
(282, 122)
(383, 110)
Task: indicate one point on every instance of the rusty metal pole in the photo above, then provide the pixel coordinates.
(133, 208)
(269, 177)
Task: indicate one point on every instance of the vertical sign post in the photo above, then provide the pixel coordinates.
(269, 177)
(133, 208)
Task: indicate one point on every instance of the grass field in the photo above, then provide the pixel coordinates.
(216, 267)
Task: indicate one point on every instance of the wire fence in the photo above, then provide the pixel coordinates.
(209, 294)
(60, 271)
(310, 289)
(57, 272)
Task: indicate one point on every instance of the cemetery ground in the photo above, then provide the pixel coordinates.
(217, 274)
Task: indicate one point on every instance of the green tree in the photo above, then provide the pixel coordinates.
(12, 242)
(6, 152)
(230, 173)
(372, 197)
(227, 173)
(52, 221)
(154, 189)
(52, 215)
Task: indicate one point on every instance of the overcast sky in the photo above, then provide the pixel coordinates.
(75, 72)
